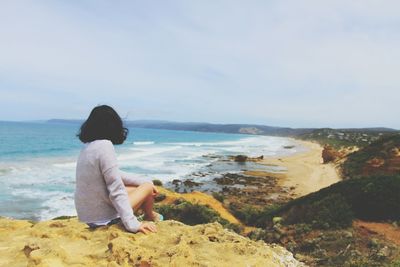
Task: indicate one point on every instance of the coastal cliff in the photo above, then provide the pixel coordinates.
(69, 242)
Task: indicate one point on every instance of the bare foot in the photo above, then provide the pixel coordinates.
(155, 218)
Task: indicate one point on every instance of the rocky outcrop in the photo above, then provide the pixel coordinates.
(71, 243)
(240, 158)
(244, 158)
(329, 154)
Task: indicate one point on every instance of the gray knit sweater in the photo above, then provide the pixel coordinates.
(100, 193)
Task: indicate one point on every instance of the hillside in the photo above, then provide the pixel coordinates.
(205, 127)
(333, 227)
(380, 157)
(339, 138)
(359, 136)
(354, 222)
(373, 198)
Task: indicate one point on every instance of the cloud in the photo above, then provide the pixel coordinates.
(295, 63)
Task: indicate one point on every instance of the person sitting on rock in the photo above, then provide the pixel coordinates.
(104, 194)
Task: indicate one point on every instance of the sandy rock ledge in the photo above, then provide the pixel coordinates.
(71, 243)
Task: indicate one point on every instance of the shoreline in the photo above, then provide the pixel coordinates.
(268, 187)
(306, 172)
(259, 186)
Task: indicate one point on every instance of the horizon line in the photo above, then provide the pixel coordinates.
(212, 123)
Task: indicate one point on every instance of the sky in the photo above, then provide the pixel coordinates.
(292, 63)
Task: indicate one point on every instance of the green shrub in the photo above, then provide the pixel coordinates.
(302, 228)
(193, 213)
(160, 197)
(394, 263)
(157, 182)
(253, 216)
(246, 214)
(257, 234)
(373, 198)
(331, 211)
(63, 217)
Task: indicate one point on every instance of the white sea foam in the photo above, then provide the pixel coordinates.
(253, 146)
(146, 152)
(51, 180)
(175, 160)
(60, 204)
(143, 143)
(66, 165)
(192, 143)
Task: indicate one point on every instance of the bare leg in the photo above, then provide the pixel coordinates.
(141, 197)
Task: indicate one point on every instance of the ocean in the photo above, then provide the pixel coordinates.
(38, 160)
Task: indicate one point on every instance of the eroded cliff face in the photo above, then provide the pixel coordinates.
(330, 154)
(71, 243)
(379, 158)
(390, 164)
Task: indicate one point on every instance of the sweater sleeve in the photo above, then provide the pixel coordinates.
(130, 179)
(117, 192)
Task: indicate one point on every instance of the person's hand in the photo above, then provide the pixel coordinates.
(147, 227)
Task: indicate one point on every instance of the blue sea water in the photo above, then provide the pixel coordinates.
(38, 160)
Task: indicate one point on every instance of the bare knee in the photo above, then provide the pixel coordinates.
(141, 195)
(147, 187)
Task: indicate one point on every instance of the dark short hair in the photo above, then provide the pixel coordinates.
(103, 123)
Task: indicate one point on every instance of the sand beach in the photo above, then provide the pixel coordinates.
(306, 172)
